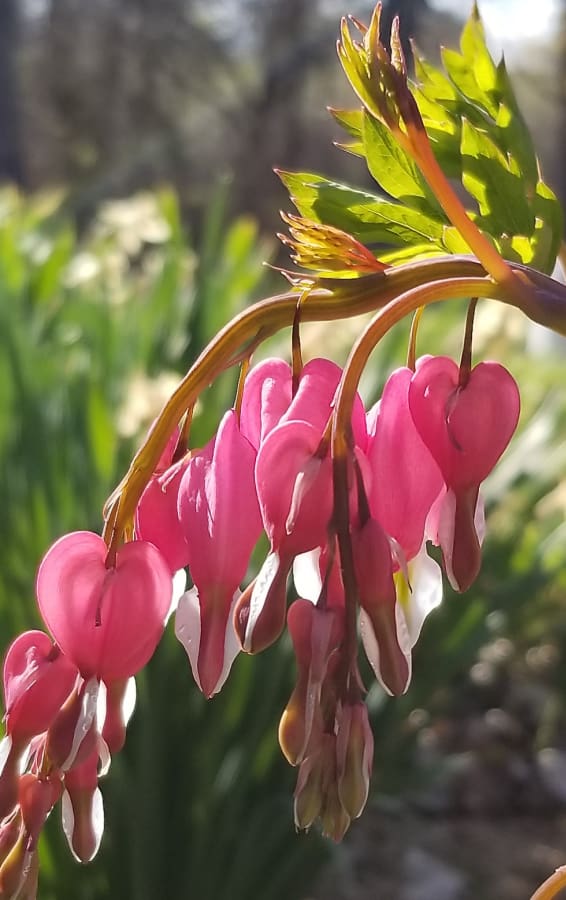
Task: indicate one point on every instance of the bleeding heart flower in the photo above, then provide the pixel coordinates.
(107, 620)
(405, 478)
(466, 427)
(219, 511)
(38, 678)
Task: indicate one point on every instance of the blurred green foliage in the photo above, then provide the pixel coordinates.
(95, 331)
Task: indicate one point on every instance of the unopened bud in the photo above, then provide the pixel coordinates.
(354, 747)
(37, 798)
(15, 868)
(259, 614)
(334, 819)
(9, 833)
(292, 731)
(11, 752)
(308, 793)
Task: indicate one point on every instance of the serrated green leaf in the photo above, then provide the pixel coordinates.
(496, 184)
(513, 133)
(464, 77)
(434, 83)
(475, 53)
(351, 121)
(549, 228)
(394, 170)
(367, 217)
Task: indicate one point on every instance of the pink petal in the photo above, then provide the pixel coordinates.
(266, 397)
(38, 678)
(219, 510)
(207, 634)
(157, 520)
(294, 487)
(406, 479)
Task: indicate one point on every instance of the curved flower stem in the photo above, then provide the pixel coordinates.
(551, 886)
(412, 351)
(397, 309)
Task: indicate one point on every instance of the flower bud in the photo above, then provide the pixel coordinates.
(354, 751)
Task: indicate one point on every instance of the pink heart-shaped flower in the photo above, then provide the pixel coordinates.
(466, 428)
(108, 621)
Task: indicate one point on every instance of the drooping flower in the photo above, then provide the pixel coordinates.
(354, 756)
(405, 479)
(38, 678)
(108, 619)
(219, 511)
(466, 426)
(294, 487)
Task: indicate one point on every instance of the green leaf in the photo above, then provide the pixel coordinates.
(464, 77)
(496, 183)
(411, 254)
(394, 170)
(351, 120)
(453, 242)
(367, 217)
(512, 131)
(475, 53)
(548, 230)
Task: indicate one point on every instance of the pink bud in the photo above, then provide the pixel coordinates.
(37, 797)
(107, 620)
(315, 634)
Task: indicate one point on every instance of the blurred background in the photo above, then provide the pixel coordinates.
(137, 204)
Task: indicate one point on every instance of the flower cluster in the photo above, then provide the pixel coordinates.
(350, 501)
(414, 465)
